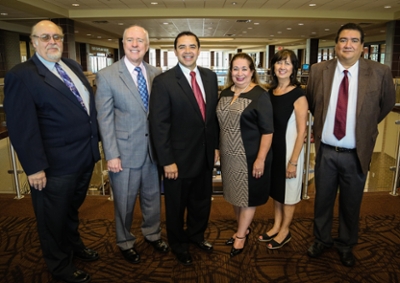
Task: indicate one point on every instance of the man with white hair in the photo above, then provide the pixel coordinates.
(51, 120)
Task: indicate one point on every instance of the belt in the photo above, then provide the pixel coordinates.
(339, 149)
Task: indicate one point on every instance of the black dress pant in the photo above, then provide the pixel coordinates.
(335, 170)
(192, 195)
(56, 209)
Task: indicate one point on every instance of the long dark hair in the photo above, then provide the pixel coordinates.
(282, 55)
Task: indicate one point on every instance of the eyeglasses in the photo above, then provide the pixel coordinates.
(47, 37)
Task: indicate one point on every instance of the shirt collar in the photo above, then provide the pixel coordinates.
(187, 71)
(132, 67)
(351, 70)
(48, 64)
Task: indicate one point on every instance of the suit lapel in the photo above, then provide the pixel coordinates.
(327, 79)
(184, 84)
(150, 75)
(363, 78)
(53, 81)
(206, 85)
(127, 79)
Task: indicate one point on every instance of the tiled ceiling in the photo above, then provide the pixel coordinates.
(220, 24)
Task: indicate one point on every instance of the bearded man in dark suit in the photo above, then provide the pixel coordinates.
(184, 132)
(348, 96)
(53, 129)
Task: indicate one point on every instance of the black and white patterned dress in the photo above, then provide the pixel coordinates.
(241, 126)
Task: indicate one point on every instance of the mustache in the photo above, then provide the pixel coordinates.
(53, 46)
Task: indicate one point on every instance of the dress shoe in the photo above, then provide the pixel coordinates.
(266, 238)
(87, 255)
(159, 245)
(347, 258)
(230, 241)
(78, 276)
(205, 246)
(235, 251)
(131, 255)
(273, 245)
(184, 258)
(316, 249)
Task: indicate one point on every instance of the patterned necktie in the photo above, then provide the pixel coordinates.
(68, 82)
(341, 108)
(142, 87)
(198, 95)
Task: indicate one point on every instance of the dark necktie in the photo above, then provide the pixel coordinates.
(68, 82)
(198, 95)
(142, 87)
(341, 108)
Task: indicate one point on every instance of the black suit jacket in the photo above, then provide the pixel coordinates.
(48, 127)
(179, 133)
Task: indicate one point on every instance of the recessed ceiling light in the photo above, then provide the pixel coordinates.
(154, 3)
(300, 24)
(109, 39)
(313, 32)
(327, 29)
(279, 32)
(271, 35)
(98, 36)
(89, 34)
(244, 31)
(387, 7)
(165, 23)
(289, 28)
(312, 5)
(234, 3)
(75, 5)
(4, 14)
(249, 28)
(256, 24)
(120, 24)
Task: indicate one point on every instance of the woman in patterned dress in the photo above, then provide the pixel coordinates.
(290, 122)
(244, 114)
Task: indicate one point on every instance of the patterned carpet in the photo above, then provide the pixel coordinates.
(378, 251)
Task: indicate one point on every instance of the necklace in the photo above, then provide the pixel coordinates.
(234, 90)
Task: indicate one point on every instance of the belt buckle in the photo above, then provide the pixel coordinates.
(337, 149)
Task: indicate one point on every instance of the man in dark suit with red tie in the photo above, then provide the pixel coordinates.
(185, 136)
(51, 120)
(348, 96)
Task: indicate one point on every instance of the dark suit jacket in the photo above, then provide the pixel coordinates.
(375, 99)
(177, 128)
(48, 127)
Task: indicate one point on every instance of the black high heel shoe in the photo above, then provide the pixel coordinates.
(234, 251)
(230, 241)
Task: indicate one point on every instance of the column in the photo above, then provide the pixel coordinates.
(10, 54)
(392, 52)
(68, 27)
(158, 58)
(312, 51)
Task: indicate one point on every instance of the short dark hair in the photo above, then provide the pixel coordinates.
(351, 26)
(187, 33)
(282, 55)
(241, 55)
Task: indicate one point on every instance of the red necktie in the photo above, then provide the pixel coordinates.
(198, 95)
(341, 108)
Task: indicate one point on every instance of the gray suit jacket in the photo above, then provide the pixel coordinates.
(123, 123)
(375, 99)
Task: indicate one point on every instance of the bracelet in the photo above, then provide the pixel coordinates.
(294, 164)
